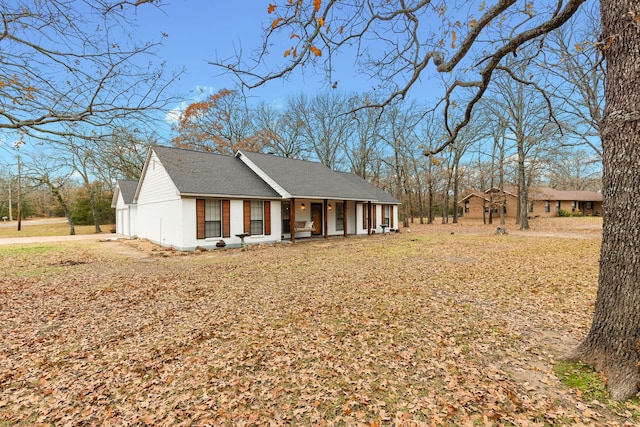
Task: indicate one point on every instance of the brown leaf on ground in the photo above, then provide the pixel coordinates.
(416, 328)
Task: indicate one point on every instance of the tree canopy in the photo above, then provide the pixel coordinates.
(398, 42)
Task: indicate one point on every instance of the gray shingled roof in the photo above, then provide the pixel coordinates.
(305, 179)
(379, 195)
(127, 190)
(195, 172)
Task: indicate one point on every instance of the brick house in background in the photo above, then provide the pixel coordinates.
(543, 202)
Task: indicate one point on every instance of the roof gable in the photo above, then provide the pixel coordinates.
(126, 189)
(201, 173)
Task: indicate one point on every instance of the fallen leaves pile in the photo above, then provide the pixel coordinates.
(437, 325)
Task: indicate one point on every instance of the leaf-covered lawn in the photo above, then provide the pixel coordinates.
(424, 327)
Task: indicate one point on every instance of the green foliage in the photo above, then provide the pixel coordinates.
(82, 215)
(592, 386)
(563, 213)
(26, 250)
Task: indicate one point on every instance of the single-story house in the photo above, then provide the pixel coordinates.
(187, 199)
(542, 202)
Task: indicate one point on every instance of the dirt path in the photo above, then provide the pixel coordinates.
(53, 239)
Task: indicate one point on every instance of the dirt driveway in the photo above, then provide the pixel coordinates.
(51, 239)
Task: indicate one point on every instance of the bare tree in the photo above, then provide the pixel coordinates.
(363, 147)
(525, 114)
(121, 155)
(281, 134)
(326, 127)
(51, 173)
(576, 69)
(399, 134)
(328, 28)
(576, 170)
(66, 62)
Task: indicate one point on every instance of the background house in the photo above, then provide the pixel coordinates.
(188, 199)
(542, 202)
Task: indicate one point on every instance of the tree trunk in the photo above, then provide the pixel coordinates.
(523, 208)
(430, 196)
(503, 203)
(406, 204)
(94, 212)
(456, 183)
(612, 343)
(56, 192)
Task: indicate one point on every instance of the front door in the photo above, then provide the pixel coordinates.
(316, 217)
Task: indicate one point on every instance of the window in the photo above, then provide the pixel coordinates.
(365, 216)
(286, 217)
(386, 215)
(589, 205)
(573, 206)
(339, 216)
(557, 205)
(547, 206)
(466, 206)
(212, 218)
(257, 217)
(530, 206)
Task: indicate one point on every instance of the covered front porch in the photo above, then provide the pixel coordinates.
(307, 217)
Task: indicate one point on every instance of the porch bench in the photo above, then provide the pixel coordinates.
(303, 226)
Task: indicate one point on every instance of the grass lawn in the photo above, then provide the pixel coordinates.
(436, 325)
(46, 227)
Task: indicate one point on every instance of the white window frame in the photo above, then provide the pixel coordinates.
(257, 218)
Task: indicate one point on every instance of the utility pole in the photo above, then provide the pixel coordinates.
(19, 197)
(10, 202)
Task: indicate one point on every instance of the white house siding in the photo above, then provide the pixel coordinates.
(162, 222)
(331, 218)
(236, 209)
(379, 216)
(359, 228)
(352, 217)
(157, 186)
(125, 217)
(126, 220)
(133, 219)
(160, 207)
(122, 216)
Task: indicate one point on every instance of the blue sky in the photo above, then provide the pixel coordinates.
(201, 30)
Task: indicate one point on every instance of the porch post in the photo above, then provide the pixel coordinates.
(292, 220)
(369, 217)
(344, 217)
(326, 218)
